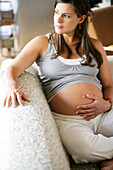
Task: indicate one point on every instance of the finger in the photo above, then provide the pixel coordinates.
(25, 98)
(13, 100)
(86, 115)
(8, 101)
(88, 106)
(90, 117)
(85, 112)
(90, 96)
(19, 99)
(4, 102)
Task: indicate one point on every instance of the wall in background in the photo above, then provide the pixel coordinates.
(35, 17)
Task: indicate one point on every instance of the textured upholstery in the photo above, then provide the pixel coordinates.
(29, 139)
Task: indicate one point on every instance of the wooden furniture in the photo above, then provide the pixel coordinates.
(102, 26)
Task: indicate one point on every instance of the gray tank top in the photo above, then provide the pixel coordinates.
(56, 74)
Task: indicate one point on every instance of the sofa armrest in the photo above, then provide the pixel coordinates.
(29, 139)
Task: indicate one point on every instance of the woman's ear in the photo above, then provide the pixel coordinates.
(82, 18)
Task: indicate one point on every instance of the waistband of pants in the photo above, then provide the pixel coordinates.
(74, 118)
(62, 117)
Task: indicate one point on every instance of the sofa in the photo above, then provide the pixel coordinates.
(29, 139)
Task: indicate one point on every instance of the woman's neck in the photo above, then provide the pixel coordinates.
(71, 39)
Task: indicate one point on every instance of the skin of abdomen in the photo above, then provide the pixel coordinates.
(67, 100)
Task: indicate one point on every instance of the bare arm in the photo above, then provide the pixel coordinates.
(105, 75)
(99, 105)
(33, 50)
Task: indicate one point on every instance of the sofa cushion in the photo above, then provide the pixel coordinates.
(29, 139)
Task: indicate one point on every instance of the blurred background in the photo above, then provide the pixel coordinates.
(22, 20)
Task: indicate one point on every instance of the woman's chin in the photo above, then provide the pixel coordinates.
(58, 31)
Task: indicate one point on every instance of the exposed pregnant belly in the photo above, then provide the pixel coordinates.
(67, 100)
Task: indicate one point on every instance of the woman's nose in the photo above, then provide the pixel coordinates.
(59, 19)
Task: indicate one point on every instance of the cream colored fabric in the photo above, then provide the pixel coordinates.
(29, 139)
(87, 140)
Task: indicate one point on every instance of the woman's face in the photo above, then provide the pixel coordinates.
(65, 19)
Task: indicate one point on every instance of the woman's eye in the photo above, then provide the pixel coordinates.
(66, 16)
(56, 12)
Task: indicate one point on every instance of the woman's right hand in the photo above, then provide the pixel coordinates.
(14, 96)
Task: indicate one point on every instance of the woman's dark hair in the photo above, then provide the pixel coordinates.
(82, 7)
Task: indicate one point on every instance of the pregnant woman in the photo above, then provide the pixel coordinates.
(76, 79)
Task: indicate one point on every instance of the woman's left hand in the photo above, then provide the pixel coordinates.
(98, 106)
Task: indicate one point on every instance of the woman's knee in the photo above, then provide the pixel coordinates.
(83, 152)
(106, 126)
(78, 145)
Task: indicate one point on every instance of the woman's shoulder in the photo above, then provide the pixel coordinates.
(97, 44)
(41, 39)
(41, 43)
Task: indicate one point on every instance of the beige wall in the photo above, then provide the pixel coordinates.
(35, 17)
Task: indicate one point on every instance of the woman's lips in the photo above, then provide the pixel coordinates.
(58, 26)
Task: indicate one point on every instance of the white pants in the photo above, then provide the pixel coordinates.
(87, 140)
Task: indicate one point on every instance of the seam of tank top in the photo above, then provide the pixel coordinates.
(60, 58)
(52, 46)
(65, 58)
(67, 85)
(70, 61)
(44, 56)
